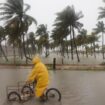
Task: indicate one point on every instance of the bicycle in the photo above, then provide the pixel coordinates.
(27, 92)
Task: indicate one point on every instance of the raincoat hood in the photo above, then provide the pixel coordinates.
(36, 59)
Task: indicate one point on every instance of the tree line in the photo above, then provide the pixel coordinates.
(68, 35)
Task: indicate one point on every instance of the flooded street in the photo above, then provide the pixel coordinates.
(76, 87)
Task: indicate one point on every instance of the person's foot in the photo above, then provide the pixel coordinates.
(42, 99)
(32, 95)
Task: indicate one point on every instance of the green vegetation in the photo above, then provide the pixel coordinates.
(67, 37)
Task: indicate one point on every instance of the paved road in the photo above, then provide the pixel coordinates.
(76, 87)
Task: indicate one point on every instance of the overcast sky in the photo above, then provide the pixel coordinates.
(44, 11)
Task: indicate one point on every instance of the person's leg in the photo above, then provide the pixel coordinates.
(40, 90)
(42, 98)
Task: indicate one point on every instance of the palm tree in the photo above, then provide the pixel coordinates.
(2, 37)
(43, 38)
(102, 12)
(32, 42)
(82, 37)
(100, 28)
(59, 35)
(101, 16)
(15, 15)
(69, 19)
(92, 39)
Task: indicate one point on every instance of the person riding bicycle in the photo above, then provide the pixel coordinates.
(39, 74)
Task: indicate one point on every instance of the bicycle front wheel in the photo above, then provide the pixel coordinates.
(27, 90)
(14, 96)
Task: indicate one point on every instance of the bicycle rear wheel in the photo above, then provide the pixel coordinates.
(27, 90)
(53, 94)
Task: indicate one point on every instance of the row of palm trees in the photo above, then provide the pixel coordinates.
(68, 34)
(17, 22)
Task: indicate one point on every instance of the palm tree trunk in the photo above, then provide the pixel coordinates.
(27, 48)
(71, 44)
(6, 48)
(24, 49)
(67, 50)
(20, 51)
(3, 52)
(103, 46)
(75, 44)
(22, 33)
(14, 53)
(33, 47)
(46, 52)
(63, 50)
(91, 50)
(86, 51)
(94, 49)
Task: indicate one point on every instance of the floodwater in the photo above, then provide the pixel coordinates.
(76, 87)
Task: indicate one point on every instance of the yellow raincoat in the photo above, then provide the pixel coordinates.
(40, 74)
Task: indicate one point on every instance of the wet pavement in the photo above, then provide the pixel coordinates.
(76, 87)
